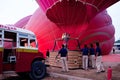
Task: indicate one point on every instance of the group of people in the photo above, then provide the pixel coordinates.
(95, 55)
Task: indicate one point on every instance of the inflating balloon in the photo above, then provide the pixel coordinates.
(85, 21)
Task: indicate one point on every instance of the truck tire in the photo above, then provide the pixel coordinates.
(38, 70)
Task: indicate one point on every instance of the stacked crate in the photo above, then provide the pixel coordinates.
(74, 59)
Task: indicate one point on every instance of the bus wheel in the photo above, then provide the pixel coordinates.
(38, 70)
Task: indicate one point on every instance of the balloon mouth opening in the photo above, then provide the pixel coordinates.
(70, 12)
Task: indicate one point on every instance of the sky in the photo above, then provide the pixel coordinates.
(114, 12)
(12, 11)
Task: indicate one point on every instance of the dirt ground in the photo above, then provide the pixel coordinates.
(116, 73)
(27, 78)
(90, 74)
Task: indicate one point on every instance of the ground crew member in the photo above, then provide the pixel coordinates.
(99, 64)
(64, 57)
(92, 55)
(85, 52)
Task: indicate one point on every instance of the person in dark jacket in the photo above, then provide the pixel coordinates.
(99, 64)
(47, 55)
(92, 55)
(85, 52)
(64, 57)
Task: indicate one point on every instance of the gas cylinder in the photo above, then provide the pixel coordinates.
(109, 73)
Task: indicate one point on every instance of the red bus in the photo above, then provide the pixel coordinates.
(19, 52)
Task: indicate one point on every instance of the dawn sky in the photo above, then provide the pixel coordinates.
(12, 11)
(114, 12)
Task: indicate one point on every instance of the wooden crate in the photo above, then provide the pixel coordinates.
(74, 59)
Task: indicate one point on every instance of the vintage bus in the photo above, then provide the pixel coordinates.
(19, 52)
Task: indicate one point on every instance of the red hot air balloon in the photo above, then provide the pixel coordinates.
(84, 21)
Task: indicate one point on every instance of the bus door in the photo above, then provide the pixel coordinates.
(9, 52)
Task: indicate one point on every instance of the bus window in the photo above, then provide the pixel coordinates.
(26, 44)
(23, 42)
(33, 43)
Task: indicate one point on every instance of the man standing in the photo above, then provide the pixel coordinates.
(85, 52)
(113, 51)
(47, 55)
(99, 64)
(92, 55)
(64, 57)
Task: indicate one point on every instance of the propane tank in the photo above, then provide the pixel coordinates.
(109, 73)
